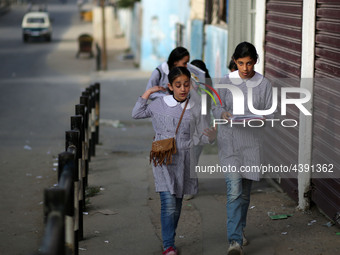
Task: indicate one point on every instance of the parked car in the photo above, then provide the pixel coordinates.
(36, 24)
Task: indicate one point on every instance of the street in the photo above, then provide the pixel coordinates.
(40, 84)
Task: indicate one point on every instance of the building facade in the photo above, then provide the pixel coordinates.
(298, 42)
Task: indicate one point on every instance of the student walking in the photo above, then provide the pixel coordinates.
(201, 65)
(241, 145)
(173, 180)
(159, 77)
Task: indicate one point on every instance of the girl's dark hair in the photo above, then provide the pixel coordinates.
(245, 49)
(176, 72)
(201, 65)
(176, 55)
(232, 65)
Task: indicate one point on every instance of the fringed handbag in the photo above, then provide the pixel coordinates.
(162, 150)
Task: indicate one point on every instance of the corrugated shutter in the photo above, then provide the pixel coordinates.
(326, 129)
(327, 39)
(237, 25)
(283, 60)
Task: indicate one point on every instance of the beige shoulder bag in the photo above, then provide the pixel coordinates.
(162, 150)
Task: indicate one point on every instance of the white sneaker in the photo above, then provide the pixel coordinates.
(245, 240)
(235, 249)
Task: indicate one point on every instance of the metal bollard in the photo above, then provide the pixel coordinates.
(53, 242)
(97, 107)
(91, 91)
(77, 125)
(67, 173)
(86, 101)
(80, 110)
(72, 145)
(98, 57)
(90, 94)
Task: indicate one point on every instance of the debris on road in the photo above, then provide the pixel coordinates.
(27, 147)
(274, 216)
(113, 123)
(311, 222)
(106, 212)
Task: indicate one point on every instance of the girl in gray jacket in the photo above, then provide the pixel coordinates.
(159, 77)
(173, 180)
(240, 146)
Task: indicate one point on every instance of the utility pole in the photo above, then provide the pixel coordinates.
(104, 54)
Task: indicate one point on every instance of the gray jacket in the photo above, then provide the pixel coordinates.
(159, 77)
(240, 146)
(178, 177)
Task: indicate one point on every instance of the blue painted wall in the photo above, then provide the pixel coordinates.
(196, 39)
(215, 51)
(136, 32)
(159, 29)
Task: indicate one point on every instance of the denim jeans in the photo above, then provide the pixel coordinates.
(170, 213)
(238, 199)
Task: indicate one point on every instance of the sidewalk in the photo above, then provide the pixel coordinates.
(124, 217)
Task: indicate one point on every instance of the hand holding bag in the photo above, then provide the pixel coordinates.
(162, 150)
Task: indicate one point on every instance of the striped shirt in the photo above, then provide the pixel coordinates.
(165, 113)
(238, 145)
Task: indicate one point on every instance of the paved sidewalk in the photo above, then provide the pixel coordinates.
(123, 218)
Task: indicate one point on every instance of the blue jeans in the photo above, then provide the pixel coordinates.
(238, 199)
(170, 212)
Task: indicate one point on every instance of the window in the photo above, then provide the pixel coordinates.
(251, 20)
(216, 11)
(36, 20)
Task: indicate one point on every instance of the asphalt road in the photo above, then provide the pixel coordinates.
(40, 83)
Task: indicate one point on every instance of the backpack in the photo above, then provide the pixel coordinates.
(160, 74)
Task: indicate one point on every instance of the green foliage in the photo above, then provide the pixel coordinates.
(91, 191)
(126, 3)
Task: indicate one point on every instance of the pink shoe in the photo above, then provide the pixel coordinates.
(170, 251)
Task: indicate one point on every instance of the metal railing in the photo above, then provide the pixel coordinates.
(65, 203)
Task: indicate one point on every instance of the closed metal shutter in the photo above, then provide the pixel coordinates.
(283, 60)
(238, 27)
(326, 116)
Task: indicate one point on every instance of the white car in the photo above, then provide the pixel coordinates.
(36, 24)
